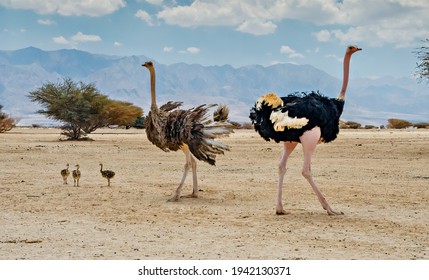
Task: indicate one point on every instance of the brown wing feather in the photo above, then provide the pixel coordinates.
(171, 130)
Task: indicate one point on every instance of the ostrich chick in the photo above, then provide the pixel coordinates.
(108, 174)
(65, 173)
(76, 176)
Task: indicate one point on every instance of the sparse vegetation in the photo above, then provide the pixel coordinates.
(140, 122)
(398, 124)
(421, 125)
(350, 125)
(369, 126)
(246, 126)
(82, 108)
(6, 122)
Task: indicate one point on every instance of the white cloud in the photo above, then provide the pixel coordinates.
(76, 39)
(117, 44)
(80, 37)
(143, 15)
(60, 40)
(45, 22)
(323, 35)
(193, 50)
(155, 2)
(168, 49)
(396, 22)
(291, 53)
(251, 16)
(67, 7)
(335, 57)
(256, 27)
(243, 16)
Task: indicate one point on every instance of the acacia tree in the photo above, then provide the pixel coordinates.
(6, 123)
(81, 107)
(423, 64)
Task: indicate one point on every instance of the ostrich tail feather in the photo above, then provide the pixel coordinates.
(221, 113)
(205, 147)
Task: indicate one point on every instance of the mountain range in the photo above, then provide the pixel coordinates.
(368, 101)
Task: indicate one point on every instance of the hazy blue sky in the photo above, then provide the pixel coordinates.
(231, 32)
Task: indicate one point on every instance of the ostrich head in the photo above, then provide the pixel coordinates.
(148, 64)
(352, 49)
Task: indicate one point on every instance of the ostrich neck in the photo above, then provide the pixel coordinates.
(346, 68)
(152, 88)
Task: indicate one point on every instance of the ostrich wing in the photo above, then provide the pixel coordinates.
(297, 114)
(318, 109)
(170, 105)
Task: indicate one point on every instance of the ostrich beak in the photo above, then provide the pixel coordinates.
(147, 64)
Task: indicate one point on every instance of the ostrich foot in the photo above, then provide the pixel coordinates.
(332, 212)
(192, 195)
(173, 199)
(281, 211)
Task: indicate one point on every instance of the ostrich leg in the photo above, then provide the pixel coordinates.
(287, 150)
(309, 141)
(190, 163)
(193, 163)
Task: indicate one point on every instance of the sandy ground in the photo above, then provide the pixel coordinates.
(379, 179)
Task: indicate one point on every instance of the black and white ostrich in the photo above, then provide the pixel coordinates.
(191, 131)
(301, 118)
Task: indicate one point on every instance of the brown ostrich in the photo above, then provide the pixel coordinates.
(191, 131)
(76, 176)
(65, 173)
(108, 174)
(301, 118)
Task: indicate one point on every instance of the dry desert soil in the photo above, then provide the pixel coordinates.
(378, 178)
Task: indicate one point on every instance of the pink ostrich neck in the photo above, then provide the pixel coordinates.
(346, 66)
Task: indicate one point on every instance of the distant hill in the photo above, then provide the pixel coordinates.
(369, 101)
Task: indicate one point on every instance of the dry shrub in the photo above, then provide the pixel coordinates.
(349, 124)
(247, 126)
(421, 125)
(369, 126)
(398, 124)
(6, 124)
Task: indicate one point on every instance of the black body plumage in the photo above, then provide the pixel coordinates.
(319, 110)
